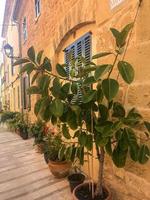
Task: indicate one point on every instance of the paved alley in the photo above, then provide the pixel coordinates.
(24, 174)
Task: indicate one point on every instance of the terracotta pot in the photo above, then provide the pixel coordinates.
(109, 197)
(59, 169)
(39, 148)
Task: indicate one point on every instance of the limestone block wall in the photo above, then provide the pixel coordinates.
(62, 22)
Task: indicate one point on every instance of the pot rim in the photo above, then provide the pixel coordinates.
(58, 162)
(87, 182)
(75, 174)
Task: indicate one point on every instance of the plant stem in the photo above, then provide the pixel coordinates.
(116, 57)
(101, 157)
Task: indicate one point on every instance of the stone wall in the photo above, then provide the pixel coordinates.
(63, 21)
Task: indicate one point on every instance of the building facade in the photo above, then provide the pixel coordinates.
(83, 25)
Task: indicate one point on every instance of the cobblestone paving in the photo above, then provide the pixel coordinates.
(24, 174)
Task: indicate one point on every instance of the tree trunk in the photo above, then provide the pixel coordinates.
(101, 156)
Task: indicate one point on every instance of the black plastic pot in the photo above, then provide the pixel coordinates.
(75, 180)
(24, 135)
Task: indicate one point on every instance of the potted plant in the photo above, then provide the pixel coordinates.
(95, 118)
(75, 178)
(22, 128)
(39, 130)
(59, 166)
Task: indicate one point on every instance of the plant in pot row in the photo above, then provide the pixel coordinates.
(22, 129)
(85, 105)
(39, 131)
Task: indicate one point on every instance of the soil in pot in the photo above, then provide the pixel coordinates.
(59, 169)
(75, 180)
(84, 192)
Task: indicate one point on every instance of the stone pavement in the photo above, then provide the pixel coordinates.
(24, 174)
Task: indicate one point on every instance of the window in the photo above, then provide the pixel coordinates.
(114, 3)
(25, 28)
(26, 102)
(81, 47)
(37, 8)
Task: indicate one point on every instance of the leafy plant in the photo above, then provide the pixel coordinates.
(38, 131)
(95, 117)
(52, 146)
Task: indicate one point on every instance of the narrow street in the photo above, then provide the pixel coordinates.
(24, 174)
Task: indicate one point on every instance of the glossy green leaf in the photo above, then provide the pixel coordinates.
(57, 108)
(82, 138)
(108, 148)
(126, 71)
(34, 78)
(89, 80)
(39, 56)
(110, 88)
(47, 64)
(37, 106)
(102, 54)
(118, 110)
(65, 131)
(21, 61)
(89, 142)
(61, 71)
(31, 53)
(101, 70)
(119, 157)
(34, 90)
(61, 153)
(89, 96)
(27, 68)
(72, 120)
(103, 112)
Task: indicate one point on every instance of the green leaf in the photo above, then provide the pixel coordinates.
(144, 154)
(119, 157)
(118, 110)
(72, 120)
(74, 88)
(89, 80)
(27, 68)
(126, 71)
(21, 61)
(133, 118)
(56, 88)
(89, 96)
(61, 153)
(110, 88)
(108, 148)
(73, 155)
(134, 151)
(101, 141)
(65, 131)
(35, 76)
(43, 83)
(147, 125)
(68, 153)
(101, 70)
(54, 120)
(31, 53)
(34, 90)
(39, 56)
(89, 142)
(124, 33)
(80, 155)
(47, 64)
(37, 107)
(61, 71)
(102, 54)
(117, 36)
(57, 108)
(103, 112)
(100, 95)
(82, 139)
